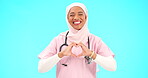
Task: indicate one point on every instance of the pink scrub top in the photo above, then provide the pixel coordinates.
(76, 67)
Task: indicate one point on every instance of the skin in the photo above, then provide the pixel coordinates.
(85, 51)
(76, 14)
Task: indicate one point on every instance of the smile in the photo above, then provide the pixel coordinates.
(77, 22)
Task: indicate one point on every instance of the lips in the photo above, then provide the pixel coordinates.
(77, 22)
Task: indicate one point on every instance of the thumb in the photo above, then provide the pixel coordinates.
(73, 55)
(80, 55)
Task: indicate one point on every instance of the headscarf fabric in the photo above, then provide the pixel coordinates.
(77, 35)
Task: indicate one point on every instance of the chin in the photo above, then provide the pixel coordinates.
(76, 27)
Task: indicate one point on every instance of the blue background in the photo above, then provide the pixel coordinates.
(28, 26)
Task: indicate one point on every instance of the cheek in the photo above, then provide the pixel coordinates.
(84, 18)
(69, 19)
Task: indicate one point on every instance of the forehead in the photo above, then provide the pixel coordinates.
(76, 9)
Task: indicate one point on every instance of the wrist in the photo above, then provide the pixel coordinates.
(92, 55)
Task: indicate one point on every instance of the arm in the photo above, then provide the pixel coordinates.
(45, 65)
(108, 63)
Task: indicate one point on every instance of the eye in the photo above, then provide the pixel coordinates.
(72, 15)
(80, 14)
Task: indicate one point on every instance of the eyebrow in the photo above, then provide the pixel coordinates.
(72, 13)
(80, 12)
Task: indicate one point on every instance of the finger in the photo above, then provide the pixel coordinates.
(80, 55)
(84, 48)
(82, 45)
(73, 55)
(71, 45)
(75, 44)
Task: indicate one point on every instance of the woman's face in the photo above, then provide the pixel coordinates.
(76, 17)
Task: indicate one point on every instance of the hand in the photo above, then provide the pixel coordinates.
(85, 50)
(67, 51)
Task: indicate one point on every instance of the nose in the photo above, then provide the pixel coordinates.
(76, 17)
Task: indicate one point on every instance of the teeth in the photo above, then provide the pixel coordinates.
(77, 22)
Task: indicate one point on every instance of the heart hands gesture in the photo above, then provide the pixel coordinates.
(68, 50)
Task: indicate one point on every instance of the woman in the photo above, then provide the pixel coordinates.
(76, 52)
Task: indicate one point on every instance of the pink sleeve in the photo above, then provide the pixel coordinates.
(50, 50)
(103, 49)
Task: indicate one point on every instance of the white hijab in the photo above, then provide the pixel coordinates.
(77, 35)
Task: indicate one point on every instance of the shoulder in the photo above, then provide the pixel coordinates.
(94, 38)
(60, 37)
